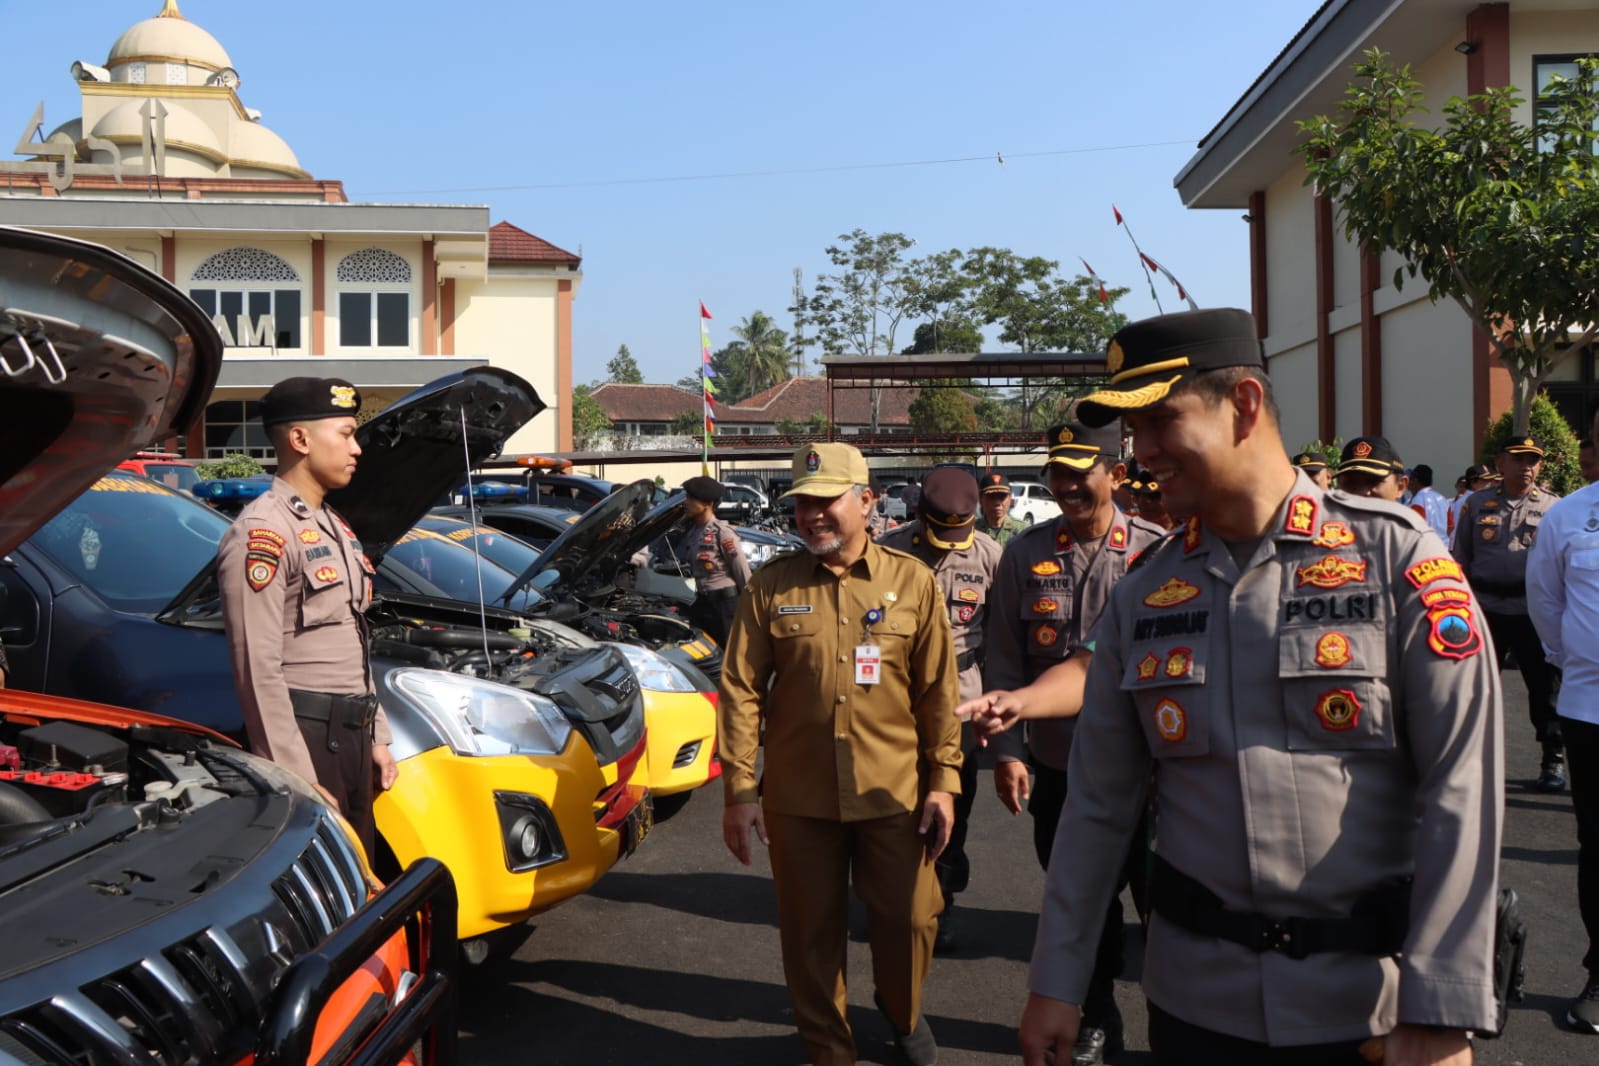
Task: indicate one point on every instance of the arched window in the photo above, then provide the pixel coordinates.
(374, 299)
(246, 292)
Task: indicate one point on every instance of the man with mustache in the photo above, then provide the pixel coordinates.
(294, 585)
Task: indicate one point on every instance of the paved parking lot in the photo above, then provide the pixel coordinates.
(673, 958)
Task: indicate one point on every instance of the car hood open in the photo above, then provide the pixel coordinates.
(606, 537)
(100, 358)
(417, 448)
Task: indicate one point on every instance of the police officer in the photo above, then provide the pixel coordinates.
(1493, 534)
(845, 654)
(995, 497)
(944, 536)
(711, 550)
(1307, 677)
(1053, 580)
(1370, 467)
(1315, 467)
(294, 584)
(1151, 505)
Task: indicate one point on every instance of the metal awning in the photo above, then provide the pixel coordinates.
(407, 372)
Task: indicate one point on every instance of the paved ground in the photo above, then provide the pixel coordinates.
(673, 958)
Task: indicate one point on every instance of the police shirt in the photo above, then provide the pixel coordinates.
(837, 749)
(964, 576)
(714, 556)
(1048, 592)
(294, 583)
(1321, 720)
(1492, 537)
(1563, 598)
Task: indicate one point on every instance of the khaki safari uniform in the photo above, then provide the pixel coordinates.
(1003, 532)
(1322, 714)
(294, 584)
(715, 558)
(847, 767)
(1493, 535)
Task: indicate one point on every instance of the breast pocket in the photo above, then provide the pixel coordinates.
(1167, 684)
(1335, 688)
(323, 597)
(1044, 620)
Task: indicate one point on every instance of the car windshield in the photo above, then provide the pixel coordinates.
(132, 541)
(497, 546)
(180, 476)
(452, 568)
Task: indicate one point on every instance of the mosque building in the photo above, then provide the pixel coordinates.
(168, 166)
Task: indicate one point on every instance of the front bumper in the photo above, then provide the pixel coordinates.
(681, 734)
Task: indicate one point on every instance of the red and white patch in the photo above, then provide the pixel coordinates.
(965, 613)
(1118, 537)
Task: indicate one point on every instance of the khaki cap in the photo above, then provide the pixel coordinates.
(828, 470)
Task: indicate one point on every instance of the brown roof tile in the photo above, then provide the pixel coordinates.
(798, 398)
(644, 403)
(512, 244)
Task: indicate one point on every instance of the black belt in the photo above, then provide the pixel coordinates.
(1376, 926)
(728, 593)
(968, 659)
(352, 712)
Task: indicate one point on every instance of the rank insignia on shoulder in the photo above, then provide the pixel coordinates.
(309, 536)
(1046, 568)
(258, 573)
(269, 534)
(1301, 516)
(1191, 535)
(1063, 540)
(1173, 592)
(1179, 663)
(1148, 666)
(1452, 632)
(1332, 572)
(1046, 636)
(1332, 651)
(1334, 535)
(1118, 537)
(1045, 606)
(326, 573)
(1339, 710)
(1430, 570)
(1171, 721)
(968, 595)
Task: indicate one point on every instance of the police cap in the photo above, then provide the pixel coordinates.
(1521, 446)
(1311, 463)
(704, 489)
(994, 482)
(1147, 359)
(1076, 445)
(948, 508)
(309, 399)
(1370, 455)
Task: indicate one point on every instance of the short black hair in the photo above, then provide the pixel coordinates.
(1213, 385)
(1421, 475)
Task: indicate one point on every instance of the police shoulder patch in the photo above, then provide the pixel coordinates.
(258, 573)
(1430, 570)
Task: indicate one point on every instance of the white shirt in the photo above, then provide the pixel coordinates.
(1563, 598)
(1431, 505)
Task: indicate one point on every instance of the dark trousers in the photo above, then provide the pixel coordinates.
(1582, 767)
(714, 614)
(342, 758)
(1514, 633)
(1048, 798)
(1177, 1043)
(953, 867)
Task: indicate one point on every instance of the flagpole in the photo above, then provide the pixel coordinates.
(707, 392)
(1122, 222)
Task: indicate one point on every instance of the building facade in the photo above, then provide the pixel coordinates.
(166, 165)
(1348, 352)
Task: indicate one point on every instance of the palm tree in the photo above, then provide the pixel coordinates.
(763, 355)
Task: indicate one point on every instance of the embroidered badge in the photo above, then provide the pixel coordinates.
(709, 565)
(1191, 535)
(1489, 533)
(265, 547)
(1490, 505)
(1065, 435)
(795, 608)
(1452, 632)
(1301, 516)
(1332, 651)
(1171, 721)
(258, 573)
(1045, 606)
(729, 543)
(1063, 539)
(1046, 568)
(1179, 663)
(269, 534)
(342, 396)
(1334, 535)
(1443, 597)
(1114, 357)
(813, 462)
(969, 595)
(1173, 592)
(1148, 666)
(326, 573)
(1430, 570)
(1118, 537)
(1362, 450)
(309, 536)
(1332, 572)
(1046, 636)
(964, 613)
(1339, 710)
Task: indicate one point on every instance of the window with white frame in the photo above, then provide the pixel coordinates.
(234, 427)
(374, 299)
(252, 295)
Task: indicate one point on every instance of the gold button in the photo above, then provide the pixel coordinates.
(842, 736)
(793, 626)
(841, 699)
(893, 625)
(844, 582)
(842, 658)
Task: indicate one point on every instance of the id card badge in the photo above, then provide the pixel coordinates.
(868, 664)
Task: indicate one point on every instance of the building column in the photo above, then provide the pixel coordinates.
(430, 301)
(1488, 66)
(319, 297)
(563, 365)
(447, 317)
(1326, 364)
(1257, 262)
(1370, 345)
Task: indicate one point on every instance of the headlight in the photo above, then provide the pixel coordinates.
(757, 554)
(478, 717)
(655, 671)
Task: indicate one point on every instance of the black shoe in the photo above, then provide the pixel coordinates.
(916, 1047)
(944, 941)
(1583, 1014)
(1552, 774)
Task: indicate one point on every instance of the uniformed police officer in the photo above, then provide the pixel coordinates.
(1306, 674)
(996, 499)
(1151, 505)
(710, 548)
(1315, 466)
(845, 654)
(1053, 580)
(294, 584)
(1493, 534)
(1369, 466)
(944, 536)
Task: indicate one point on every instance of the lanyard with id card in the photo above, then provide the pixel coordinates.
(868, 656)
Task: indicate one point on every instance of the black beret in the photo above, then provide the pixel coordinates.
(308, 399)
(1076, 445)
(1147, 359)
(1370, 455)
(704, 489)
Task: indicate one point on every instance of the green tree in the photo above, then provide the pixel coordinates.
(942, 411)
(1560, 445)
(233, 464)
(1493, 214)
(759, 357)
(623, 368)
(950, 335)
(939, 292)
(689, 424)
(589, 420)
(689, 383)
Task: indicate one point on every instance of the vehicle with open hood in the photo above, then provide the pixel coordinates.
(167, 896)
(520, 751)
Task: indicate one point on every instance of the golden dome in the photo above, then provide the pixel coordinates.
(169, 37)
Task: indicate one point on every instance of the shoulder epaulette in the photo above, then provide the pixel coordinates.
(1386, 508)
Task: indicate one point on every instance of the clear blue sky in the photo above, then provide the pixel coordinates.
(565, 118)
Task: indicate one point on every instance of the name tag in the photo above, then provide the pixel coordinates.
(798, 608)
(868, 664)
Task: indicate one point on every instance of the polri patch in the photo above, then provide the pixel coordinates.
(1339, 710)
(1429, 570)
(258, 572)
(795, 608)
(965, 613)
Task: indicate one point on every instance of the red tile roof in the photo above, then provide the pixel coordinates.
(799, 398)
(512, 244)
(644, 403)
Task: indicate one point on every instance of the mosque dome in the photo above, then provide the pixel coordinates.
(169, 37)
(256, 147)
(185, 132)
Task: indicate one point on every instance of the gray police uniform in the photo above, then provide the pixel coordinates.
(715, 557)
(1493, 534)
(1323, 721)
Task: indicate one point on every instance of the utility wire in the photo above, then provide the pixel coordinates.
(1003, 157)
